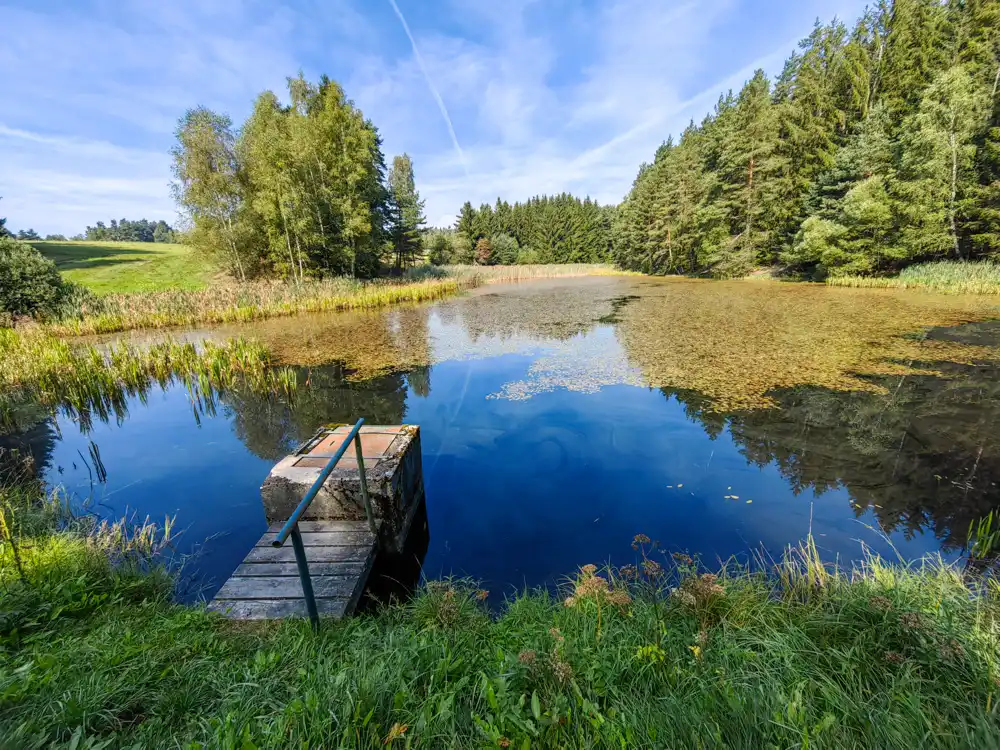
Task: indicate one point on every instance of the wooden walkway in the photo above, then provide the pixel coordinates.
(266, 586)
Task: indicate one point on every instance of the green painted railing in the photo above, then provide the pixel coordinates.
(291, 527)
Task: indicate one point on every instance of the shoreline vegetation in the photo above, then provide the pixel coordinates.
(39, 370)
(659, 653)
(948, 277)
(240, 303)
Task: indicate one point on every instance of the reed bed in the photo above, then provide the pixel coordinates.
(37, 368)
(231, 303)
(662, 653)
(950, 277)
(513, 274)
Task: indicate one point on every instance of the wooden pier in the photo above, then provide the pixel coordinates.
(266, 585)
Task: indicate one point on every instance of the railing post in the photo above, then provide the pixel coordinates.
(307, 588)
(364, 485)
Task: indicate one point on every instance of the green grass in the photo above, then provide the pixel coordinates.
(951, 277)
(108, 267)
(92, 653)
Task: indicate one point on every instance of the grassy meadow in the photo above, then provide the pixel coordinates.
(660, 654)
(123, 267)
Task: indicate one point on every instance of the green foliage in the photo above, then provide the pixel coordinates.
(875, 149)
(29, 282)
(142, 230)
(38, 368)
(406, 212)
(299, 191)
(505, 250)
(556, 229)
(795, 656)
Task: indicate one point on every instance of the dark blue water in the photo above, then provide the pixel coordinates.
(522, 492)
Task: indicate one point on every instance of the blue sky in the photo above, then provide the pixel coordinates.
(543, 96)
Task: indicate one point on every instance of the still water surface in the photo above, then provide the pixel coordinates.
(559, 419)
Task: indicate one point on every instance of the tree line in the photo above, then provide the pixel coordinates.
(876, 147)
(142, 230)
(545, 229)
(299, 190)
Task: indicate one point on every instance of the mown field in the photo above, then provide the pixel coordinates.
(107, 267)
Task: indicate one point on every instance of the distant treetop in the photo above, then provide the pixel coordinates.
(124, 230)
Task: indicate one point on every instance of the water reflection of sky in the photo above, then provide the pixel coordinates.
(520, 492)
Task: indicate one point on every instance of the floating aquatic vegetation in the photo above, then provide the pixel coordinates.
(733, 342)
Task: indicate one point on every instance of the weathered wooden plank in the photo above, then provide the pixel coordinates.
(327, 539)
(273, 609)
(328, 587)
(313, 554)
(275, 570)
(331, 525)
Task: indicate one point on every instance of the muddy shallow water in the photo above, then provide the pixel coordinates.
(559, 418)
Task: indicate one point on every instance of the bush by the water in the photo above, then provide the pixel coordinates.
(29, 282)
(663, 654)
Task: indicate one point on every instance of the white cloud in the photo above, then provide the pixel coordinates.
(543, 96)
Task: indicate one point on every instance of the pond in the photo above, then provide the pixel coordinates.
(561, 418)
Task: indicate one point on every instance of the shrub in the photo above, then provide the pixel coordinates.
(29, 282)
(484, 252)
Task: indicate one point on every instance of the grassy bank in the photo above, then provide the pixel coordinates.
(245, 303)
(39, 369)
(981, 277)
(109, 267)
(880, 657)
(235, 303)
(513, 274)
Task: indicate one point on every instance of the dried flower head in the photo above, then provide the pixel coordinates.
(561, 670)
(880, 603)
(591, 587)
(629, 572)
(952, 650)
(620, 598)
(482, 595)
(570, 601)
(685, 597)
(503, 742)
(893, 657)
(638, 540)
(554, 632)
(911, 621)
(588, 570)
(682, 559)
(527, 657)
(652, 568)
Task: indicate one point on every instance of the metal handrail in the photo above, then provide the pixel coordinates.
(291, 527)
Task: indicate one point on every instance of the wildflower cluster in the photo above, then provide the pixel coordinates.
(698, 592)
(552, 664)
(590, 586)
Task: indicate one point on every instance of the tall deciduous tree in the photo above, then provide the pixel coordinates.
(209, 187)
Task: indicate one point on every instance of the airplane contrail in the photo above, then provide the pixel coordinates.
(431, 86)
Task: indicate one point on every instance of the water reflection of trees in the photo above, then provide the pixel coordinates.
(270, 429)
(925, 455)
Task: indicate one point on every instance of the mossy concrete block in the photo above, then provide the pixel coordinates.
(392, 467)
